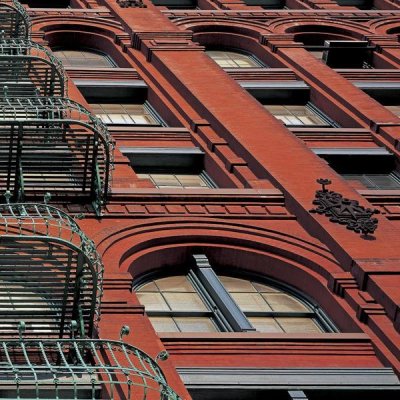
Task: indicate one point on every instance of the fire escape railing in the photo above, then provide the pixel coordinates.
(53, 144)
(14, 20)
(80, 369)
(28, 69)
(50, 272)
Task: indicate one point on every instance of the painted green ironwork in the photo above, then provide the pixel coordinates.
(79, 369)
(28, 69)
(58, 141)
(50, 271)
(14, 20)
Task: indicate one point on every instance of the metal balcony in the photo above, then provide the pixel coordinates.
(79, 369)
(14, 20)
(50, 273)
(54, 145)
(27, 69)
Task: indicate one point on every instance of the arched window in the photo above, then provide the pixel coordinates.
(234, 59)
(86, 58)
(202, 301)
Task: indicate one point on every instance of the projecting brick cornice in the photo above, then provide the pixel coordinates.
(275, 41)
(340, 282)
(102, 12)
(148, 42)
(264, 204)
(357, 15)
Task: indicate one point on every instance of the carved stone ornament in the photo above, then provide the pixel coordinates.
(344, 211)
(131, 3)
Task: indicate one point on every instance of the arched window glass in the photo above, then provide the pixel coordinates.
(174, 305)
(233, 59)
(197, 302)
(84, 58)
(270, 309)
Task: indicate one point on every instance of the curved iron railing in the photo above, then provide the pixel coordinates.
(80, 369)
(14, 20)
(68, 255)
(49, 123)
(27, 69)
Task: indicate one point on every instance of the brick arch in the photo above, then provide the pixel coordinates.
(236, 34)
(89, 32)
(387, 26)
(222, 24)
(299, 263)
(296, 26)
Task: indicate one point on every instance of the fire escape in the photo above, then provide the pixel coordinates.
(48, 142)
(50, 272)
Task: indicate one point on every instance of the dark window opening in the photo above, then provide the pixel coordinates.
(47, 3)
(375, 172)
(170, 168)
(342, 54)
(118, 103)
(267, 4)
(177, 4)
(292, 106)
(360, 4)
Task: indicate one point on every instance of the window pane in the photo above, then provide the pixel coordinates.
(191, 181)
(83, 58)
(298, 325)
(164, 324)
(195, 324)
(231, 59)
(265, 324)
(373, 181)
(250, 302)
(236, 285)
(148, 287)
(165, 180)
(152, 301)
(175, 284)
(284, 302)
(184, 181)
(264, 288)
(124, 114)
(185, 301)
(295, 114)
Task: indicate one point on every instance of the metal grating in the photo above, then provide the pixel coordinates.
(14, 20)
(79, 369)
(50, 272)
(55, 145)
(28, 69)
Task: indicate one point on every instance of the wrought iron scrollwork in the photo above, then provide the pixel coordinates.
(344, 211)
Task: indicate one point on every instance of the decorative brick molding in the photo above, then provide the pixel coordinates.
(367, 309)
(139, 37)
(357, 15)
(340, 282)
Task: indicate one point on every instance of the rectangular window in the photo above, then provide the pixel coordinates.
(389, 181)
(125, 114)
(178, 180)
(170, 167)
(298, 115)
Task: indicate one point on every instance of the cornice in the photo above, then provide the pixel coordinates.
(356, 15)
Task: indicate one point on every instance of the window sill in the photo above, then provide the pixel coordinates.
(258, 336)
